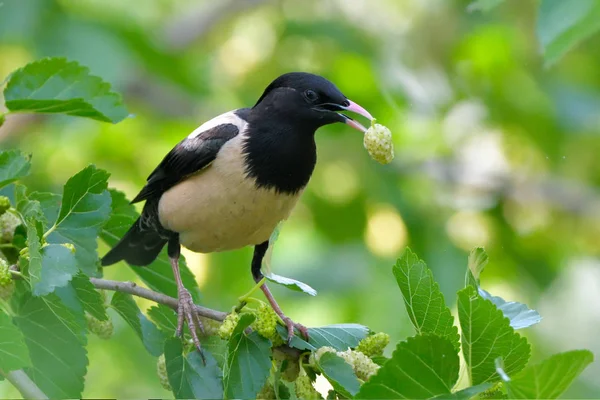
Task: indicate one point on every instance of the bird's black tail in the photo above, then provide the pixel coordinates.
(137, 247)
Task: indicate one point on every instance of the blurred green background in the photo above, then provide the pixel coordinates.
(492, 149)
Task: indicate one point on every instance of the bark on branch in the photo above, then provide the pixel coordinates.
(132, 288)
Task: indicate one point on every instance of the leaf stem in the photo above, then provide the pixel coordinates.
(24, 384)
(49, 231)
(244, 298)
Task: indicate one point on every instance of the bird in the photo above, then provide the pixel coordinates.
(230, 182)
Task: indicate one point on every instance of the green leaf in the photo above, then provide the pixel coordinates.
(248, 362)
(13, 350)
(164, 317)
(150, 335)
(421, 367)
(478, 259)
(484, 5)
(57, 269)
(338, 336)
(13, 165)
(158, 275)
(487, 335)
(217, 347)
(292, 284)
(340, 374)
(519, 314)
(58, 86)
(423, 298)
(55, 336)
(49, 202)
(188, 376)
(561, 25)
(550, 378)
(91, 299)
(464, 394)
(85, 208)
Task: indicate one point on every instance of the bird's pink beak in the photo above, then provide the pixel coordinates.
(359, 110)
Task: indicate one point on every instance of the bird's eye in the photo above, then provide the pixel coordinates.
(311, 95)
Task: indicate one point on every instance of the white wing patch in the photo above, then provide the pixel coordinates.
(226, 118)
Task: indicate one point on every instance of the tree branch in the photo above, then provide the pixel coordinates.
(132, 288)
(24, 384)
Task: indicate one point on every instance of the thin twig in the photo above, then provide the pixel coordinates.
(24, 384)
(132, 288)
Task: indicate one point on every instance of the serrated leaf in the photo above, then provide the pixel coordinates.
(56, 85)
(91, 300)
(57, 269)
(484, 5)
(164, 317)
(84, 210)
(421, 367)
(519, 314)
(13, 165)
(561, 25)
(340, 374)
(49, 202)
(248, 362)
(188, 376)
(423, 298)
(464, 394)
(55, 337)
(550, 378)
(290, 283)
(158, 275)
(338, 336)
(487, 335)
(151, 336)
(13, 350)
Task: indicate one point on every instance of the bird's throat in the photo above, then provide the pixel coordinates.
(280, 157)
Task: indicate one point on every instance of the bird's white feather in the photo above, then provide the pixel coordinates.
(229, 117)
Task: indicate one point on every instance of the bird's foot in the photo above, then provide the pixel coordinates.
(186, 310)
(290, 328)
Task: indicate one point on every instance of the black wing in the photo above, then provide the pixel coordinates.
(187, 157)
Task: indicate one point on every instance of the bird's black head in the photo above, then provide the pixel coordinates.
(308, 100)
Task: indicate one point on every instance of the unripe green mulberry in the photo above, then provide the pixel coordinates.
(8, 224)
(305, 389)
(266, 322)
(7, 286)
(378, 142)
(69, 246)
(373, 345)
(316, 356)
(267, 392)
(2, 119)
(292, 367)
(228, 325)
(211, 327)
(363, 366)
(291, 372)
(102, 329)
(161, 371)
(4, 204)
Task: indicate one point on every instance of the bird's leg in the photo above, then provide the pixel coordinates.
(186, 309)
(259, 253)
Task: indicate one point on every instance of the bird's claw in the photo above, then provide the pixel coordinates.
(290, 328)
(186, 310)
